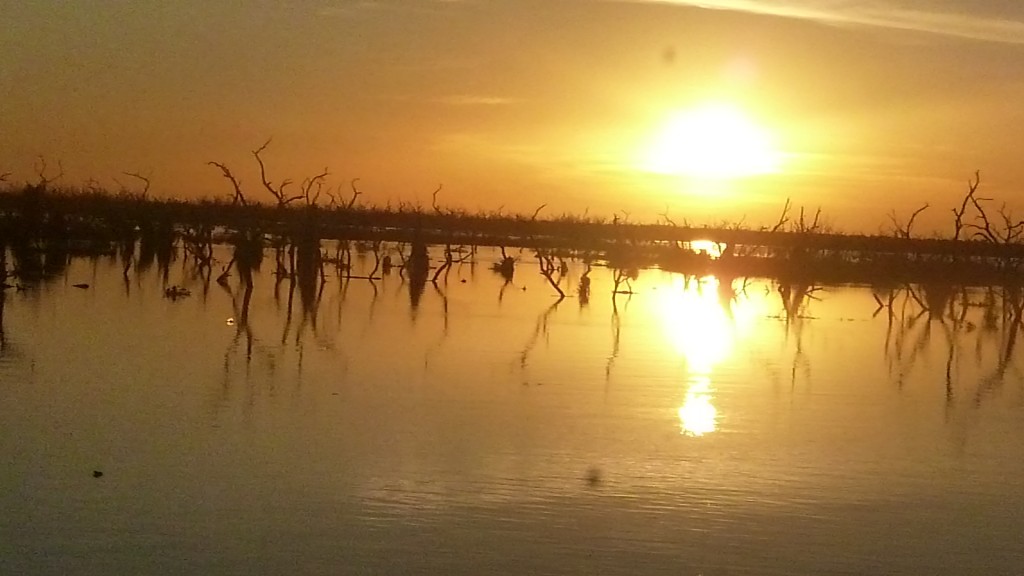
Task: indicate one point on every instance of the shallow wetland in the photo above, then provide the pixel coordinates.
(475, 288)
(291, 417)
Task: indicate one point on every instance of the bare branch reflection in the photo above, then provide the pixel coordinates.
(616, 323)
(796, 298)
(540, 329)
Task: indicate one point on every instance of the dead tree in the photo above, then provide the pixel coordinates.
(378, 261)
(958, 215)
(277, 192)
(506, 268)
(903, 230)
(804, 227)
(584, 286)
(238, 198)
(624, 276)
(780, 226)
(311, 187)
(983, 230)
(44, 180)
(448, 259)
(355, 194)
(1009, 233)
(338, 202)
(668, 220)
(144, 179)
(1011, 230)
(548, 269)
(433, 199)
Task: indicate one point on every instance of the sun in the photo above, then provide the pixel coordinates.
(715, 141)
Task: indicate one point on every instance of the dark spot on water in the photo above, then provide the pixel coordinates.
(176, 292)
(593, 476)
(96, 474)
(82, 285)
(668, 55)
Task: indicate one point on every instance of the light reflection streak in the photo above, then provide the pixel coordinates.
(709, 247)
(703, 318)
(698, 416)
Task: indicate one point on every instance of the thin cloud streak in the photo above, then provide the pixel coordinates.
(457, 100)
(349, 8)
(473, 100)
(874, 14)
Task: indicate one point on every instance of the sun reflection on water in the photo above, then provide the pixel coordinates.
(696, 325)
(703, 318)
(698, 416)
(709, 247)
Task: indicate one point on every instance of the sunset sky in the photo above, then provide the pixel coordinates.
(868, 106)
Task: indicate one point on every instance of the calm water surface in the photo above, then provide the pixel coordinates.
(687, 428)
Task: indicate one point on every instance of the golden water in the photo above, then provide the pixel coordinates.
(687, 428)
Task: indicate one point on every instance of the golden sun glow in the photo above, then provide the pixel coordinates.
(696, 324)
(713, 141)
(711, 248)
(697, 416)
(703, 320)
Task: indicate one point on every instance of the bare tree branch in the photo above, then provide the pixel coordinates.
(238, 198)
(958, 215)
(145, 180)
(736, 225)
(667, 219)
(985, 230)
(1011, 230)
(805, 227)
(308, 184)
(783, 218)
(355, 194)
(904, 230)
(278, 192)
(548, 269)
(433, 199)
(44, 180)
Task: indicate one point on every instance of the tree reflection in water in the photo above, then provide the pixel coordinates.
(974, 322)
(977, 328)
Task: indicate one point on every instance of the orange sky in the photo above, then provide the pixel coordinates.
(877, 106)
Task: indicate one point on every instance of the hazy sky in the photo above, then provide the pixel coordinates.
(877, 105)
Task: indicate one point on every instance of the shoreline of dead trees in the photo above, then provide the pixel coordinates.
(986, 245)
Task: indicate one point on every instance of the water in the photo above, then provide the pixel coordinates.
(494, 429)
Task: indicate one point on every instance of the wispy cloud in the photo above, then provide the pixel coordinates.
(347, 8)
(475, 100)
(916, 16)
(458, 100)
